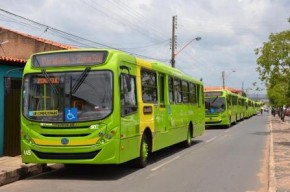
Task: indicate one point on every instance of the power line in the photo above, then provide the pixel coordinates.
(109, 14)
(146, 46)
(137, 15)
(52, 28)
(68, 36)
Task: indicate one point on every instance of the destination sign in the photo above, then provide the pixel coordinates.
(73, 58)
(41, 80)
(213, 94)
(44, 113)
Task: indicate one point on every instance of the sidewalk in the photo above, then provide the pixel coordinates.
(279, 171)
(11, 168)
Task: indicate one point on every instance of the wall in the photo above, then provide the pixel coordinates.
(5, 71)
(19, 46)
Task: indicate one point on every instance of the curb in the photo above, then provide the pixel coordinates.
(24, 171)
(272, 178)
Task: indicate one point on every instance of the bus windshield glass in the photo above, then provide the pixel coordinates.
(214, 104)
(68, 97)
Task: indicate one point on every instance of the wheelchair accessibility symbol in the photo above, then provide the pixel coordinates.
(71, 114)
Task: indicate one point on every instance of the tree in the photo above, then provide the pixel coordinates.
(274, 67)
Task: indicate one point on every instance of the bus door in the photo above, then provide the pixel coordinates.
(200, 107)
(129, 117)
(160, 108)
(229, 107)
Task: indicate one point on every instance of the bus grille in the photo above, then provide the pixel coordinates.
(66, 156)
(67, 135)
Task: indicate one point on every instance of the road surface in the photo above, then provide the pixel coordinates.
(222, 160)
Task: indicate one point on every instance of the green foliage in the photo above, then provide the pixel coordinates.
(275, 94)
(274, 67)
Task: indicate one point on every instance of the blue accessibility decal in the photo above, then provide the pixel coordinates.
(71, 114)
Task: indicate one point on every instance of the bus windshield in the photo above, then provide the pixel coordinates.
(68, 97)
(214, 104)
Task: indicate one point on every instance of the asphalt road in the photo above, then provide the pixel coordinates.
(222, 160)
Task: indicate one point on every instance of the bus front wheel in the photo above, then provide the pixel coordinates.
(142, 160)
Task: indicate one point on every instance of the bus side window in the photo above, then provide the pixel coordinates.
(202, 95)
(171, 90)
(192, 93)
(185, 91)
(161, 88)
(128, 94)
(149, 86)
(177, 90)
(198, 92)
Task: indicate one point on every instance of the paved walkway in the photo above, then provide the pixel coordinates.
(11, 168)
(281, 155)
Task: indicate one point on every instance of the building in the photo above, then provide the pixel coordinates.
(15, 49)
(233, 90)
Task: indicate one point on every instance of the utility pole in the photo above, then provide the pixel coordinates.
(223, 78)
(243, 86)
(173, 40)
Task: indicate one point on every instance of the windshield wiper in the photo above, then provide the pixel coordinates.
(47, 77)
(80, 80)
(214, 100)
(49, 82)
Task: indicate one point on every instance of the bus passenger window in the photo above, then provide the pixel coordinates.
(185, 92)
(192, 93)
(149, 86)
(128, 94)
(177, 91)
(171, 90)
(161, 88)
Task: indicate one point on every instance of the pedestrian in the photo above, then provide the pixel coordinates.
(273, 111)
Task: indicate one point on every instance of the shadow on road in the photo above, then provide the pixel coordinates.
(106, 172)
(261, 133)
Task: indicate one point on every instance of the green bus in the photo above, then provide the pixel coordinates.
(222, 108)
(250, 108)
(104, 106)
(242, 107)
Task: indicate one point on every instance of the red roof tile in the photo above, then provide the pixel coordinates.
(41, 39)
(10, 59)
(216, 88)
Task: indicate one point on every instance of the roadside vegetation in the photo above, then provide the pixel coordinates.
(274, 69)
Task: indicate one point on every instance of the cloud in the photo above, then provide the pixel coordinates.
(230, 30)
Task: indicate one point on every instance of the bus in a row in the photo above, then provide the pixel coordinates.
(225, 106)
(103, 106)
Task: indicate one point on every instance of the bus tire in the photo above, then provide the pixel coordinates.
(187, 143)
(230, 123)
(142, 160)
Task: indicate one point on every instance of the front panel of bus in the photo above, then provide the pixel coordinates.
(69, 114)
(216, 108)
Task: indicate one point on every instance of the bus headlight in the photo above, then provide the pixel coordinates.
(101, 134)
(105, 137)
(29, 139)
(101, 141)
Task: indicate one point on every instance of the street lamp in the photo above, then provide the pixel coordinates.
(224, 77)
(175, 54)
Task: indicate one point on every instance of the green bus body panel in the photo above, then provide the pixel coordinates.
(168, 123)
(235, 109)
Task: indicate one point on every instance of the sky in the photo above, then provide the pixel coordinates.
(230, 31)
